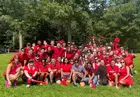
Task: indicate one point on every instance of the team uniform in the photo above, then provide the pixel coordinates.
(111, 72)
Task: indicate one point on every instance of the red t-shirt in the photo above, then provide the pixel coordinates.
(57, 66)
(57, 52)
(22, 58)
(43, 68)
(112, 70)
(66, 67)
(129, 59)
(37, 63)
(30, 56)
(31, 71)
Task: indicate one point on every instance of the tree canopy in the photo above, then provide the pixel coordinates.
(25, 21)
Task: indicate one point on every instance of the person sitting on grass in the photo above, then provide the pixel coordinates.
(125, 78)
(12, 73)
(92, 78)
(78, 74)
(112, 74)
(43, 71)
(54, 72)
(30, 74)
(66, 71)
(101, 72)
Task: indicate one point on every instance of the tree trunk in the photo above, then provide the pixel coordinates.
(13, 40)
(69, 32)
(20, 40)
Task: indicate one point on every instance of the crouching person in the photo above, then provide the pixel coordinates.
(43, 71)
(91, 78)
(78, 74)
(54, 70)
(30, 74)
(12, 73)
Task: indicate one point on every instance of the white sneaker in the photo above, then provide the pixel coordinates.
(27, 86)
(130, 86)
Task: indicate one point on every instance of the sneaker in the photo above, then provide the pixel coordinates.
(130, 86)
(7, 85)
(27, 86)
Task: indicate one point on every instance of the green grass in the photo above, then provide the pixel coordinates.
(68, 91)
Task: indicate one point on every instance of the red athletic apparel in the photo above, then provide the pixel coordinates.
(129, 59)
(13, 69)
(31, 71)
(111, 71)
(43, 68)
(52, 67)
(22, 58)
(95, 66)
(46, 47)
(30, 56)
(26, 50)
(68, 55)
(57, 67)
(42, 56)
(37, 63)
(123, 73)
(37, 48)
(66, 67)
(107, 60)
(57, 52)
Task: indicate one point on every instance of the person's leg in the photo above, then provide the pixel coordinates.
(15, 76)
(74, 77)
(51, 77)
(58, 80)
(42, 76)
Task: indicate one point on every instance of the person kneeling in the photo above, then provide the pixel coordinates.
(30, 74)
(12, 73)
(43, 71)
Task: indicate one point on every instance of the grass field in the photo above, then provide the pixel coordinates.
(68, 91)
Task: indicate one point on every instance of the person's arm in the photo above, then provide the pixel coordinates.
(91, 77)
(27, 75)
(34, 74)
(7, 73)
(85, 74)
(61, 73)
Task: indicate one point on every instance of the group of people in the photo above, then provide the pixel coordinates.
(91, 64)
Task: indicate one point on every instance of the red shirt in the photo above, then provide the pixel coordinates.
(22, 58)
(57, 66)
(30, 56)
(57, 52)
(112, 70)
(37, 63)
(68, 55)
(66, 67)
(42, 55)
(37, 48)
(43, 68)
(30, 71)
(129, 59)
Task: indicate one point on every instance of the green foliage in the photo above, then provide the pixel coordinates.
(56, 19)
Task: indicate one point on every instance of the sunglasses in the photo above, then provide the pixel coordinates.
(122, 62)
